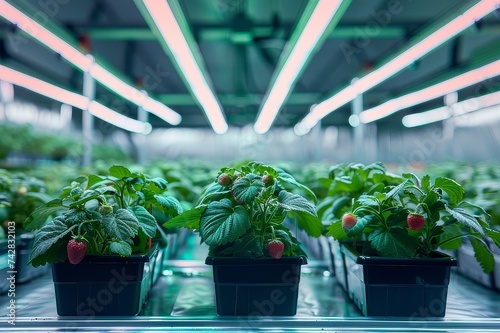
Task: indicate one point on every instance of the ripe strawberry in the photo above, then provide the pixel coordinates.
(415, 221)
(224, 179)
(349, 220)
(267, 180)
(275, 248)
(76, 251)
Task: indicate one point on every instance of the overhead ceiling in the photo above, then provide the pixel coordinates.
(240, 43)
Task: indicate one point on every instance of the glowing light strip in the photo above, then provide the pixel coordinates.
(84, 63)
(166, 23)
(67, 97)
(314, 29)
(43, 88)
(401, 61)
(118, 119)
(458, 109)
(440, 89)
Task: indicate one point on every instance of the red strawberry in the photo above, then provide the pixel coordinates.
(224, 179)
(415, 221)
(349, 220)
(76, 251)
(275, 248)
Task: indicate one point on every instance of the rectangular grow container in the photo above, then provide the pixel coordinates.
(469, 267)
(103, 285)
(26, 272)
(412, 288)
(256, 286)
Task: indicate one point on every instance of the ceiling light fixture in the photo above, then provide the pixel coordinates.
(437, 90)
(67, 97)
(457, 109)
(295, 61)
(420, 46)
(84, 62)
(171, 33)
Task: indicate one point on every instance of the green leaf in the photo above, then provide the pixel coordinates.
(336, 231)
(483, 255)
(213, 192)
(494, 235)
(367, 200)
(160, 183)
(188, 219)
(170, 204)
(47, 240)
(288, 179)
(247, 188)
(40, 215)
(122, 248)
(311, 224)
(451, 231)
(395, 190)
(426, 183)
(93, 180)
(466, 218)
(454, 190)
(295, 203)
(361, 223)
(119, 171)
(222, 223)
(147, 222)
(74, 216)
(122, 225)
(393, 243)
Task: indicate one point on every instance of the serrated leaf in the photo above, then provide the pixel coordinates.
(188, 219)
(119, 171)
(122, 248)
(169, 204)
(311, 224)
(121, 225)
(287, 178)
(494, 235)
(426, 183)
(454, 190)
(222, 223)
(93, 180)
(160, 183)
(483, 255)
(247, 188)
(296, 203)
(415, 180)
(465, 218)
(213, 192)
(452, 232)
(147, 222)
(46, 241)
(367, 200)
(393, 243)
(336, 231)
(395, 190)
(39, 216)
(361, 223)
(74, 216)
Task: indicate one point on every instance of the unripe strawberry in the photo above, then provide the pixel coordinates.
(267, 180)
(349, 220)
(224, 179)
(275, 248)
(105, 209)
(76, 251)
(415, 221)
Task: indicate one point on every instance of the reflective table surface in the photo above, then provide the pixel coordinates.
(183, 301)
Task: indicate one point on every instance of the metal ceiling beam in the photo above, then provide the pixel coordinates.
(238, 100)
(218, 34)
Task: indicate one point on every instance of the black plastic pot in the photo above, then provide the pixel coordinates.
(103, 285)
(256, 287)
(412, 288)
(26, 272)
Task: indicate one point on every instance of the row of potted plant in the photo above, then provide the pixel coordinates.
(398, 221)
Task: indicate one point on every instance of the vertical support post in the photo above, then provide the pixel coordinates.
(142, 115)
(359, 129)
(88, 118)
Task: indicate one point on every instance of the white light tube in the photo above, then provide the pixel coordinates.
(166, 23)
(314, 29)
(85, 63)
(73, 99)
(401, 61)
(440, 89)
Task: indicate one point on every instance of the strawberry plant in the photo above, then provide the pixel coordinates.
(110, 214)
(243, 211)
(415, 218)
